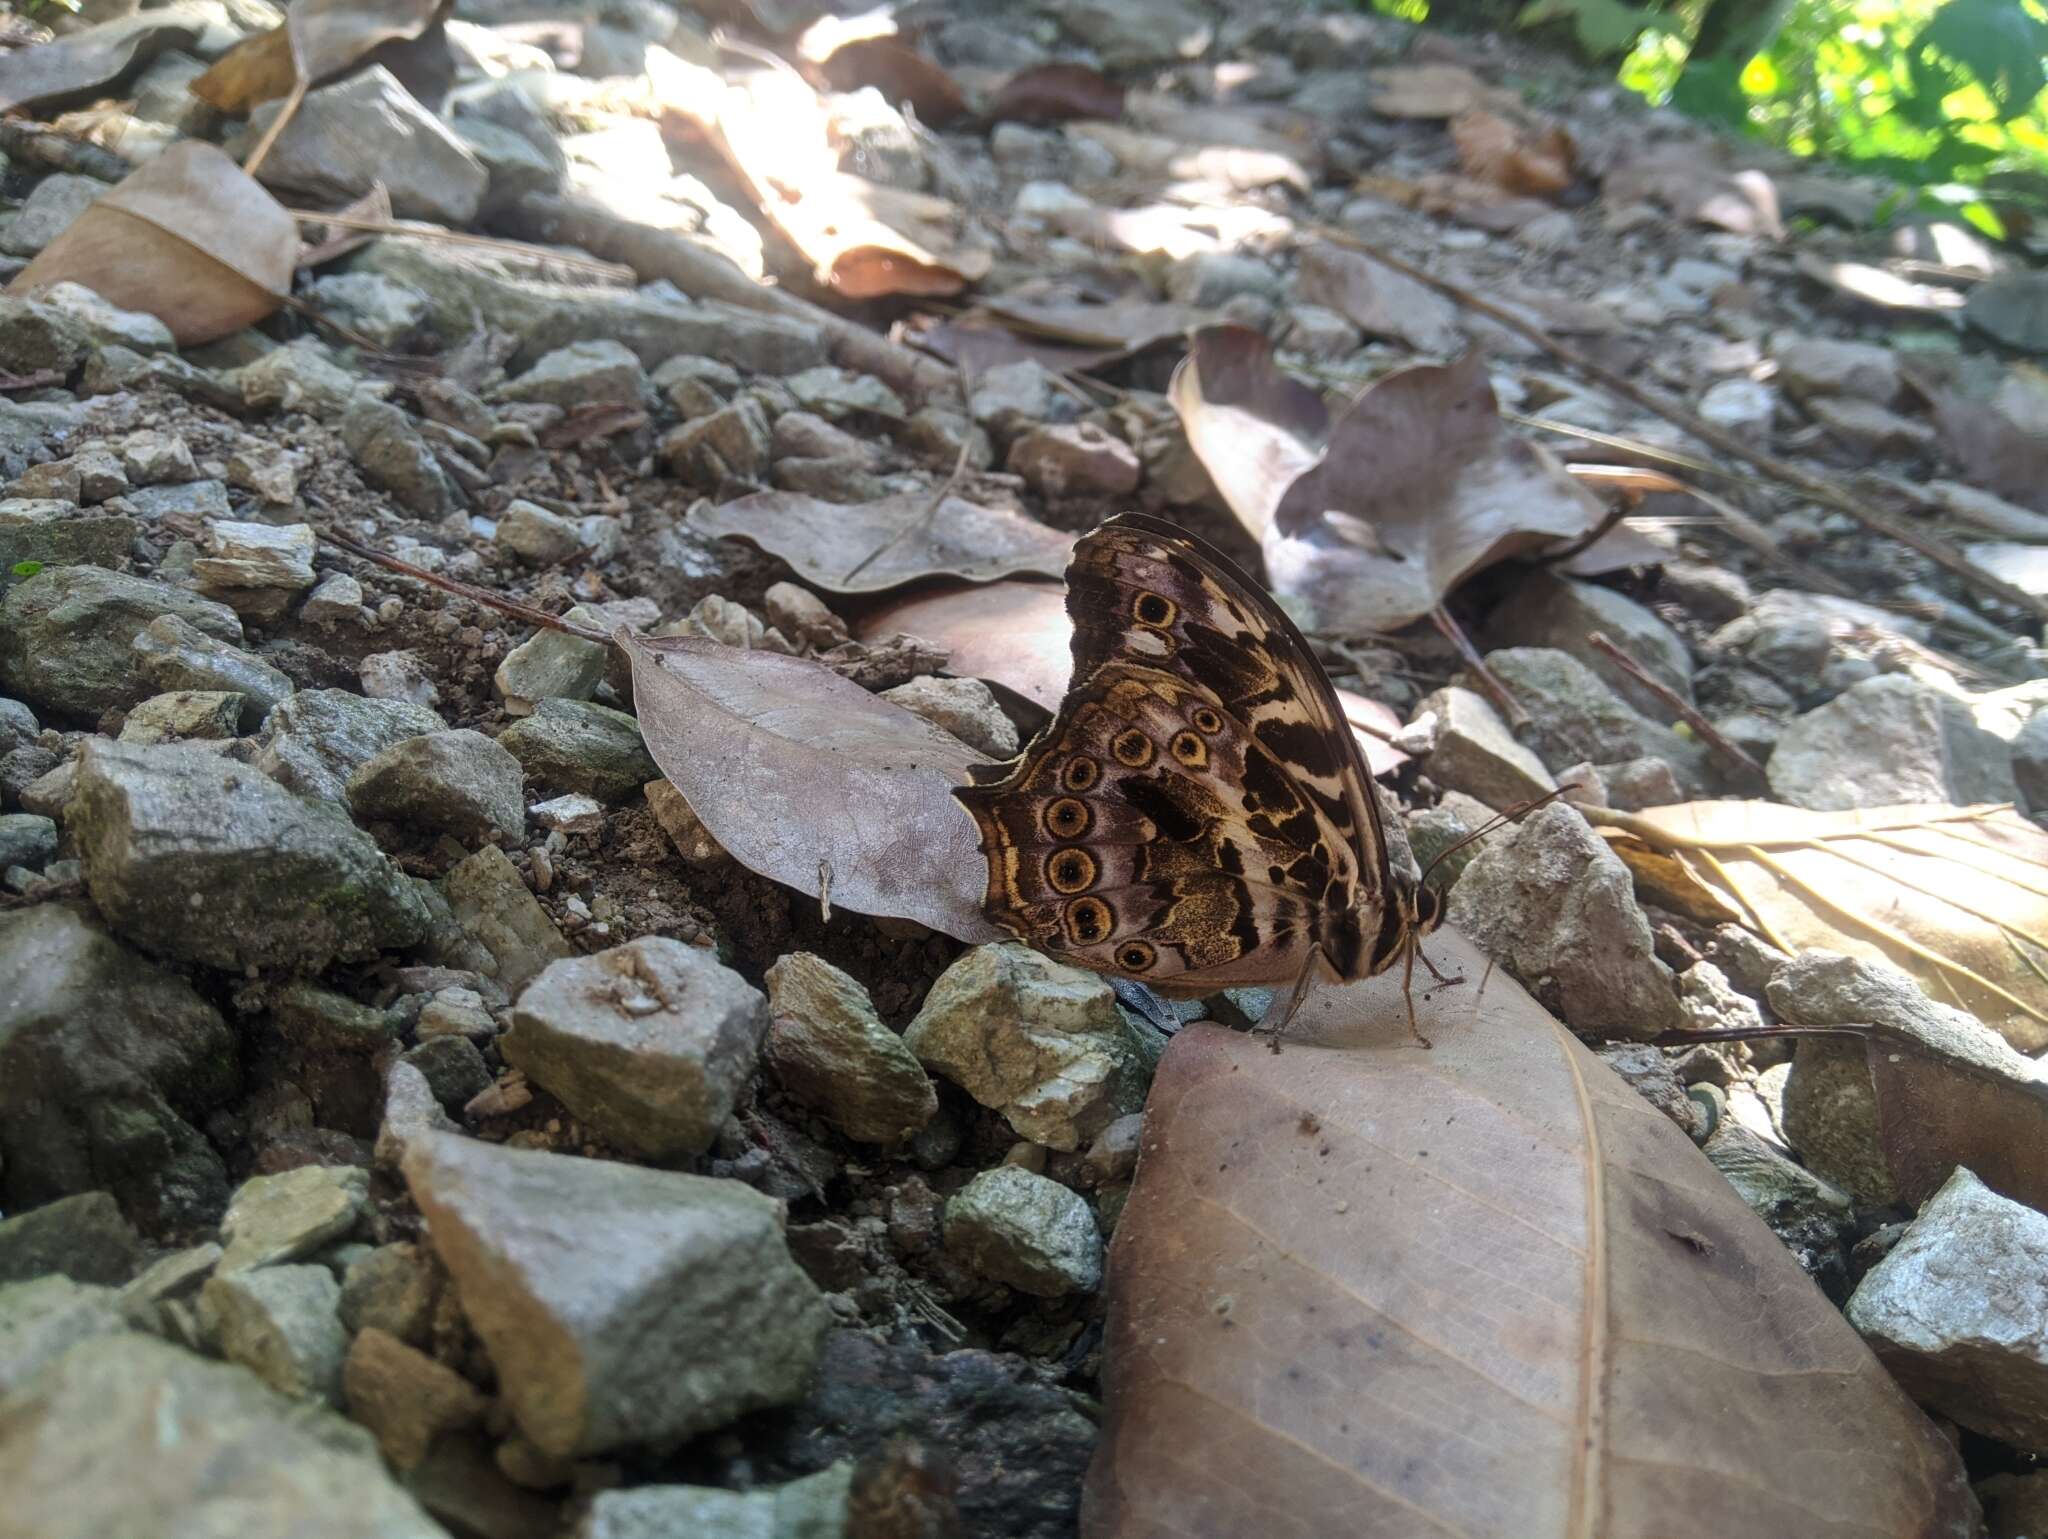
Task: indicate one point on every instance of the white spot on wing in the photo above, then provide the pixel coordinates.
(1146, 643)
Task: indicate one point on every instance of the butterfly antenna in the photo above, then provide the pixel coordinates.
(1499, 820)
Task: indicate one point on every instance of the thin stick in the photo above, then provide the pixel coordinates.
(1679, 706)
(278, 124)
(1801, 481)
(421, 230)
(917, 524)
(470, 591)
(1496, 691)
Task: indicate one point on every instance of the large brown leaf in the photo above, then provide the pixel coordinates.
(1418, 484)
(1377, 300)
(319, 39)
(1060, 92)
(189, 237)
(827, 542)
(1958, 897)
(813, 782)
(1485, 1291)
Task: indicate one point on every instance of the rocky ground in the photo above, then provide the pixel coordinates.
(407, 1102)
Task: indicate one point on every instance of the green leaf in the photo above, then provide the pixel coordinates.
(1995, 43)
(26, 568)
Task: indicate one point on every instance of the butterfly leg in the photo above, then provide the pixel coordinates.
(1414, 950)
(1435, 971)
(1294, 998)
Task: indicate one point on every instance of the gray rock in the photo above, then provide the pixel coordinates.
(505, 934)
(815, 1507)
(1075, 459)
(1546, 610)
(170, 654)
(319, 738)
(1830, 1104)
(1823, 366)
(152, 458)
(454, 1068)
(301, 376)
(309, 1018)
(459, 782)
(393, 457)
(268, 470)
(398, 675)
(392, 1289)
(288, 1217)
(649, 1043)
(209, 715)
(967, 708)
(463, 292)
(573, 813)
(1743, 406)
(35, 336)
(1553, 905)
(410, 1113)
(513, 164)
(1476, 752)
(1578, 718)
(581, 374)
(573, 745)
(245, 555)
(553, 665)
(27, 839)
(173, 1278)
(335, 598)
(834, 393)
(1872, 429)
(185, 501)
(406, 1398)
(2030, 762)
(1955, 1311)
(105, 1062)
(1638, 783)
(280, 1323)
(204, 859)
(53, 203)
(86, 1238)
(937, 435)
(104, 324)
(1807, 1214)
(65, 635)
(829, 1050)
(1208, 279)
(128, 1435)
(1013, 398)
(531, 532)
(1128, 36)
(366, 129)
(731, 443)
(1041, 1042)
(42, 1319)
(621, 1306)
(2013, 308)
(52, 533)
(1022, 1229)
(1888, 741)
(370, 305)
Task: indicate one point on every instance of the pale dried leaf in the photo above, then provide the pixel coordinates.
(1377, 300)
(900, 73)
(1255, 428)
(1694, 185)
(809, 780)
(71, 71)
(1958, 897)
(1426, 90)
(328, 36)
(1060, 92)
(1518, 156)
(825, 542)
(1487, 1291)
(189, 237)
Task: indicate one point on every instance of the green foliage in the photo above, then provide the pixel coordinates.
(1605, 27)
(26, 568)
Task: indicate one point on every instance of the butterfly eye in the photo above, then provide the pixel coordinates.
(1135, 956)
(1207, 720)
(1189, 749)
(1067, 818)
(1132, 747)
(1153, 609)
(1081, 773)
(1070, 870)
(1089, 920)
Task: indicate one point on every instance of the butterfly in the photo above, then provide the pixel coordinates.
(1197, 815)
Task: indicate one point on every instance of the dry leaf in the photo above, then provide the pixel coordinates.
(190, 238)
(1484, 1291)
(1689, 180)
(74, 70)
(1254, 427)
(1057, 93)
(813, 782)
(862, 240)
(319, 39)
(1958, 897)
(976, 346)
(1518, 157)
(827, 542)
(335, 241)
(1418, 486)
(1881, 286)
(256, 70)
(1426, 90)
(1999, 438)
(900, 73)
(1377, 300)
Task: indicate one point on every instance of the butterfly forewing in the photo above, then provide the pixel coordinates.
(1196, 815)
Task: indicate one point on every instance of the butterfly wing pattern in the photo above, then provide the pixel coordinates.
(1197, 814)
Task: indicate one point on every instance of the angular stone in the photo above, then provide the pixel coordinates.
(828, 1049)
(210, 715)
(1545, 610)
(621, 1306)
(125, 1434)
(280, 1322)
(1955, 1311)
(581, 374)
(1477, 754)
(65, 635)
(151, 458)
(461, 783)
(1887, 741)
(1872, 429)
(245, 555)
(649, 1043)
(2030, 762)
(1825, 366)
(86, 1238)
(1578, 718)
(573, 745)
(301, 376)
(367, 128)
(201, 858)
(392, 1289)
(320, 737)
(171, 654)
(27, 839)
(1075, 459)
(454, 1068)
(105, 1062)
(104, 324)
(1027, 1231)
(553, 665)
(811, 1508)
(530, 531)
(56, 534)
(290, 1216)
(1807, 1214)
(1550, 902)
(508, 935)
(404, 1397)
(52, 204)
(967, 708)
(43, 1318)
(393, 457)
(730, 443)
(1041, 1042)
